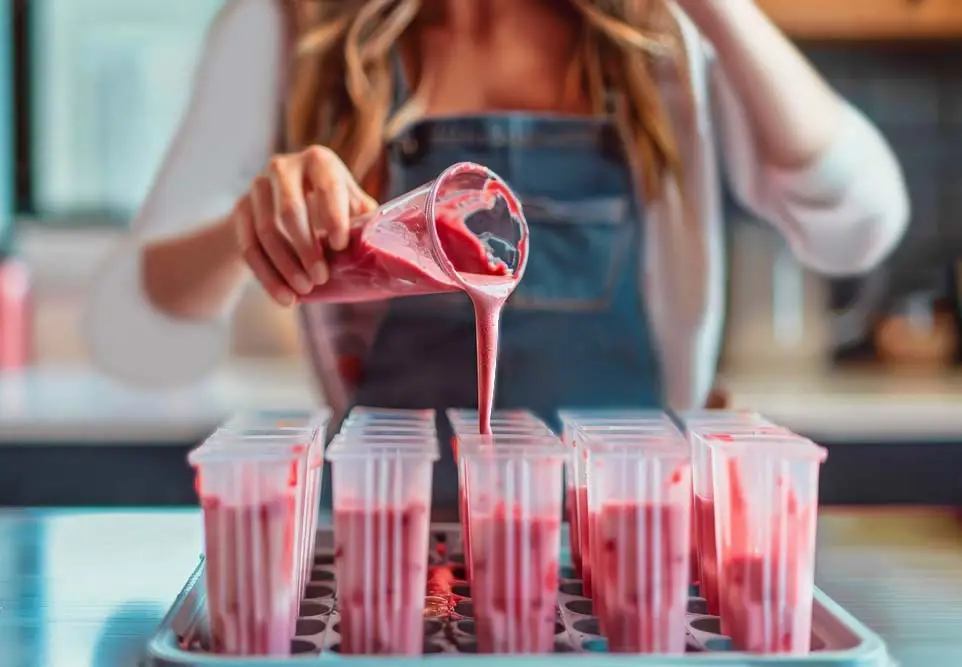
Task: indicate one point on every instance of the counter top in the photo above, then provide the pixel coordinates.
(75, 405)
(87, 588)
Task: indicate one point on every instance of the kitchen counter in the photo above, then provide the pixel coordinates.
(70, 437)
(87, 587)
(75, 405)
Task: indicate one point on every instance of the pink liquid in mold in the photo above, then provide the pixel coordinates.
(250, 576)
(381, 560)
(574, 528)
(515, 584)
(584, 538)
(765, 601)
(641, 577)
(766, 614)
(708, 553)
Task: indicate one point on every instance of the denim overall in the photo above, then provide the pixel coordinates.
(575, 332)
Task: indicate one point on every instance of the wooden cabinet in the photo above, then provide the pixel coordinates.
(866, 19)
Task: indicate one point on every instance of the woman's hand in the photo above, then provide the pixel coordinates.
(297, 205)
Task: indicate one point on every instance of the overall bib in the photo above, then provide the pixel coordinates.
(575, 333)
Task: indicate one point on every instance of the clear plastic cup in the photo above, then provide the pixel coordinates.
(370, 411)
(577, 415)
(704, 416)
(703, 503)
(460, 229)
(639, 509)
(389, 429)
(514, 509)
(382, 506)
(591, 548)
(470, 415)
(248, 492)
(308, 442)
(533, 430)
(766, 505)
(578, 491)
(366, 415)
(570, 420)
(270, 419)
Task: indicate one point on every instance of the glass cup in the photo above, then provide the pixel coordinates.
(382, 503)
(514, 510)
(248, 493)
(639, 509)
(703, 504)
(766, 505)
(459, 230)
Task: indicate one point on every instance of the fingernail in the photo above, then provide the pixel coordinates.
(319, 273)
(285, 297)
(302, 284)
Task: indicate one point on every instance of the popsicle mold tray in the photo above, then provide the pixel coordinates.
(838, 639)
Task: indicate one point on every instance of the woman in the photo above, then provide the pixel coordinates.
(605, 116)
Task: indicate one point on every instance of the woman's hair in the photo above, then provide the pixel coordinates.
(341, 87)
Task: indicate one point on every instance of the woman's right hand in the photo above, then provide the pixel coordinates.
(299, 204)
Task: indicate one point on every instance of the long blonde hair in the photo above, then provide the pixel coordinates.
(341, 88)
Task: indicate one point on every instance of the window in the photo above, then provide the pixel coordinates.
(101, 86)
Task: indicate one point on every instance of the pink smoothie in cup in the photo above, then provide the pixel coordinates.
(765, 600)
(574, 528)
(641, 576)
(584, 524)
(250, 575)
(397, 251)
(515, 586)
(381, 560)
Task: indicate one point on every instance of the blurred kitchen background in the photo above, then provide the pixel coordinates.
(93, 91)
(90, 94)
(95, 78)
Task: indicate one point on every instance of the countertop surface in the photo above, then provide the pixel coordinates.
(70, 405)
(87, 588)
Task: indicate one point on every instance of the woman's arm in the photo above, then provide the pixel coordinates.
(157, 312)
(796, 153)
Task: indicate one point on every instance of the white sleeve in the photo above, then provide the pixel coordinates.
(225, 137)
(842, 214)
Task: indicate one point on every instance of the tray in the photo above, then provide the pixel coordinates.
(838, 639)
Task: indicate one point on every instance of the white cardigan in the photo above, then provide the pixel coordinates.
(841, 215)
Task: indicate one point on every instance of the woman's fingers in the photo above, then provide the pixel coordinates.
(286, 175)
(254, 255)
(329, 178)
(274, 243)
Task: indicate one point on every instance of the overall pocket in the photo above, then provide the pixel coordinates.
(577, 253)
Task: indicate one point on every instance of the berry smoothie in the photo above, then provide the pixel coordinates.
(395, 252)
(250, 576)
(381, 561)
(641, 577)
(515, 581)
(584, 539)
(574, 528)
(765, 608)
(765, 589)
(708, 553)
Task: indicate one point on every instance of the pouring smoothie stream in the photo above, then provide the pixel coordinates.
(463, 231)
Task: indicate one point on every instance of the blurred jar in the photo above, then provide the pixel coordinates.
(16, 313)
(919, 332)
